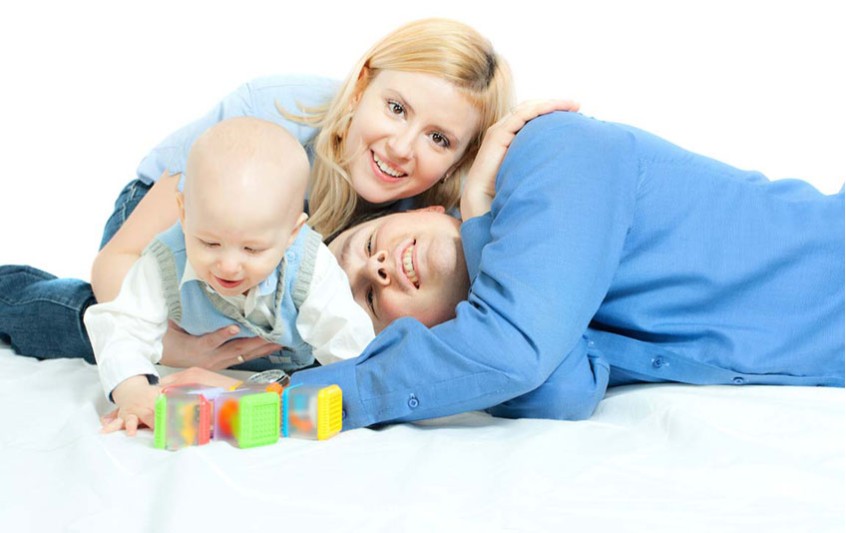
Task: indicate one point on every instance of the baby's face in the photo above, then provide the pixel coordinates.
(233, 246)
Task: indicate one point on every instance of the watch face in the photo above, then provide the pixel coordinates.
(273, 375)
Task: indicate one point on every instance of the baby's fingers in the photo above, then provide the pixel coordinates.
(112, 424)
(131, 425)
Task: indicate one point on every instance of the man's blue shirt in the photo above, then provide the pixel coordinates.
(611, 256)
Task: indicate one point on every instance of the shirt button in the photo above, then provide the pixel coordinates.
(412, 401)
(657, 362)
(738, 380)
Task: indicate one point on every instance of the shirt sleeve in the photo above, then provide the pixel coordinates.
(564, 203)
(330, 320)
(126, 333)
(260, 98)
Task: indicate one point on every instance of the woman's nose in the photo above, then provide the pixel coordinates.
(378, 268)
(400, 143)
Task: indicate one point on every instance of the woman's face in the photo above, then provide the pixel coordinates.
(408, 131)
(405, 264)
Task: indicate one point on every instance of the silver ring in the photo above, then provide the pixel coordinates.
(241, 359)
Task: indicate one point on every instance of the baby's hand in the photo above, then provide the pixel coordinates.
(136, 401)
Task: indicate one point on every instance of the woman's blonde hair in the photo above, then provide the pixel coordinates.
(444, 48)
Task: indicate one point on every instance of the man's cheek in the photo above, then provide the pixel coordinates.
(394, 308)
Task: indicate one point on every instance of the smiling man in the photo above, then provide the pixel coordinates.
(609, 256)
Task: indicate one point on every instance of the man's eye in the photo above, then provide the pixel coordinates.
(370, 301)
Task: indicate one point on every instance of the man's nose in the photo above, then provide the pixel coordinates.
(378, 268)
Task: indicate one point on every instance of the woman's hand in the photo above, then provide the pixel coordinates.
(214, 351)
(480, 184)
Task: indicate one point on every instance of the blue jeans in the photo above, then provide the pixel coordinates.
(40, 314)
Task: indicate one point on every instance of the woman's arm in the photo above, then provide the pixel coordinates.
(156, 212)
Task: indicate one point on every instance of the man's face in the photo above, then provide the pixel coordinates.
(405, 264)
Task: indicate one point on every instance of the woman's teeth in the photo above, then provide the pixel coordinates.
(408, 265)
(384, 167)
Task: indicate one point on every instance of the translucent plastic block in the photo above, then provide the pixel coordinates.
(247, 417)
(312, 411)
(181, 420)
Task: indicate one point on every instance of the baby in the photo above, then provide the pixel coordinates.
(241, 254)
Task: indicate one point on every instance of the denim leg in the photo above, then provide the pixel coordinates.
(126, 202)
(41, 315)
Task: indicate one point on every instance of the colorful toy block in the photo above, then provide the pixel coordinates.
(250, 415)
(312, 411)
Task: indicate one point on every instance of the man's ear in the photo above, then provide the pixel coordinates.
(180, 202)
(297, 227)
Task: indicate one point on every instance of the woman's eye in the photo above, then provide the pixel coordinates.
(395, 107)
(440, 139)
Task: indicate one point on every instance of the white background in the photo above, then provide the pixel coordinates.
(89, 87)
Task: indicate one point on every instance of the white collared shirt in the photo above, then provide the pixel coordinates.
(127, 332)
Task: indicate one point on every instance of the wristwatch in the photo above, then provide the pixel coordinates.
(274, 375)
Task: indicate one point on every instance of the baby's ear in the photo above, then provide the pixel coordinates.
(297, 227)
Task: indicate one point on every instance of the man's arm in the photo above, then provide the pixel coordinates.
(564, 202)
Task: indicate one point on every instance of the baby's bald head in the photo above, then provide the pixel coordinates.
(248, 160)
(242, 202)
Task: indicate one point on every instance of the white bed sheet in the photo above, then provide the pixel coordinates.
(653, 458)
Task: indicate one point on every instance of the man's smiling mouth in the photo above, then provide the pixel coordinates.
(408, 265)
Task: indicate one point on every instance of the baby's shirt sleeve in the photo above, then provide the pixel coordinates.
(329, 318)
(126, 333)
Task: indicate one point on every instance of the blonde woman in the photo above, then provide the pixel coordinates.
(399, 132)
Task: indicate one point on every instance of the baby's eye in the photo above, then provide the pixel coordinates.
(440, 139)
(250, 250)
(209, 244)
(395, 107)
(369, 245)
